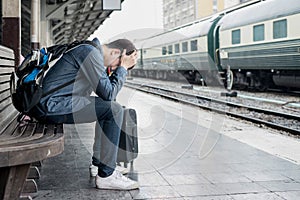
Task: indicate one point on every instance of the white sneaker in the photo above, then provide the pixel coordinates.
(116, 181)
(94, 170)
(122, 170)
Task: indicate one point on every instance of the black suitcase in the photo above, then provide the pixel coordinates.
(128, 145)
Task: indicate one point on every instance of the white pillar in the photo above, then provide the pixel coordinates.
(35, 24)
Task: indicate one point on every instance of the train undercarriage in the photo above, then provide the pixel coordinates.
(242, 79)
(265, 79)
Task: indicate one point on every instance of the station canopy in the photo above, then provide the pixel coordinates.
(77, 19)
(67, 20)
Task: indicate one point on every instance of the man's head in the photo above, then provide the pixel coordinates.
(114, 50)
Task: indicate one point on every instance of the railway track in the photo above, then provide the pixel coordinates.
(289, 123)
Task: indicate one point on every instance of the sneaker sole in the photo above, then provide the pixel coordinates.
(134, 187)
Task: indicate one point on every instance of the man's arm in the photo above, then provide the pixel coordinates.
(117, 78)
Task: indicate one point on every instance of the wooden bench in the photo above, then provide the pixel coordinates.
(21, 143)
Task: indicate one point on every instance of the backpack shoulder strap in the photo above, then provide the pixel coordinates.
(60, 49)
(77, 43)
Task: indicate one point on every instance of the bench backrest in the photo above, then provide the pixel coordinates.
(7, 110)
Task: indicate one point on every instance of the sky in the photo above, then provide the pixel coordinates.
(137, 19)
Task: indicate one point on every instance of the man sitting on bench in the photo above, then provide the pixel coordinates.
(86, 64)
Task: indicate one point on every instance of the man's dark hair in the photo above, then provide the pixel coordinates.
(122, 44)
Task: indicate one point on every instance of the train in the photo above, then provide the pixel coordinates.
(252, 46)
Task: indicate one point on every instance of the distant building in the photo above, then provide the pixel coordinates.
(179, 12)
(230, 3)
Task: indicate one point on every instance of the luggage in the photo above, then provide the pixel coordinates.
(128, 145)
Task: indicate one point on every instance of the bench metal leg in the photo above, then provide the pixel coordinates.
(12, 181)
(25, 198)
(37, 164)
(30, 186)
(34, 173)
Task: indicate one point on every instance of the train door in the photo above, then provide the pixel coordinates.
(212, 77)
(217, 48)
(213, 44)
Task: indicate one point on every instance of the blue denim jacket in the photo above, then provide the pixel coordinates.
(85, 65)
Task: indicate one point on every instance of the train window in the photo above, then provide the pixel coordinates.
(184, 46)
(164, 51)
(194, 45)
(259, 32)
(236, 36)
(170, 49)
(176, 48)
(280, 29)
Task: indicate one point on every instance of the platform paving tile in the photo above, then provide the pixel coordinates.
(290, 195)
(58, 195)
(226, 178)
(257, 196)
(210, 197)
(155, 192)
(177, 160)
(281, 165)
(83, 194)
(176, 181)
(280, 186)
(152, 179)
(237, 188)
(188, 179)
(249, 167)
(292, 174)
(266, 176)
(185, 168)
(199, 190)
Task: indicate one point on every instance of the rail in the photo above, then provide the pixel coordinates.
(270, 118)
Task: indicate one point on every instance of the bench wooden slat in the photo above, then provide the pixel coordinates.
(20, 134)
(11, 135)
(5, 78)
(6, 69)
(7, 110)
(21, 143)
(33, 150)
(6, 52)
(8, 115)
(5, 99)
(41, 137)
(4, 85)
(4, 104)
(4, 94)
(5, 62)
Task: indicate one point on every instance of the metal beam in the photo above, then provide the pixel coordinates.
(58, 25)
(60, 9)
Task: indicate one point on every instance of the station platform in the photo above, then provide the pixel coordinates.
(184, 153)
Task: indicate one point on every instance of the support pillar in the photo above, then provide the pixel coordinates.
(45, 36)
(11, 27)
(35, 24)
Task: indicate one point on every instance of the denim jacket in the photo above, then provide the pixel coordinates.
(84, 64)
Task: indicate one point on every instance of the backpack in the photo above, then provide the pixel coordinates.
(26, 83)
